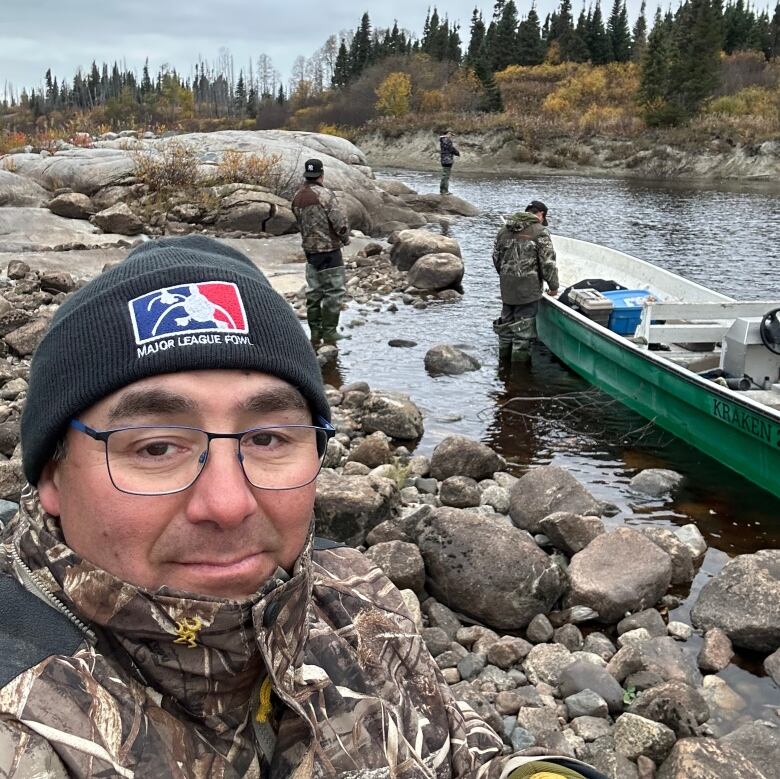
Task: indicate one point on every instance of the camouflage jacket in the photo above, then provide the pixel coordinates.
(165, 684)
(447, 150)
(524, 255)
(321, 220)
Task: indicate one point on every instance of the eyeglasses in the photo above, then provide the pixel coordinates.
(162, 460)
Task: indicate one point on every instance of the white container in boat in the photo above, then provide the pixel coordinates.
(592, 303)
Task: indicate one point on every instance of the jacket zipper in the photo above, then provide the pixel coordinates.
(36, 585)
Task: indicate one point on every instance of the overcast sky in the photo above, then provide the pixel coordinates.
(38, 34)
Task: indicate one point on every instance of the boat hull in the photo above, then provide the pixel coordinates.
(739, 434)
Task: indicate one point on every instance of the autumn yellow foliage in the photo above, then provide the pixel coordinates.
(751, 101)
(394, 94)
(606, 91)
(431, 101)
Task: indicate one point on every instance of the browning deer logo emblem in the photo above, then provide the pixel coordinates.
(187, 631)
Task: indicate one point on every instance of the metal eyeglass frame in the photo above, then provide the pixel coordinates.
(103, 435)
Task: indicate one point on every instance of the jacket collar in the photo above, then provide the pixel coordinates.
(206, 653)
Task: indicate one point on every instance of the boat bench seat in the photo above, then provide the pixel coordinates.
(695, 323)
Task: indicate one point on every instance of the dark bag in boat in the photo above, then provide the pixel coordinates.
(602, 285)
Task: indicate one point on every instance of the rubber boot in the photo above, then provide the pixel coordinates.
(314, 318)
(504, 333)
(523, 336)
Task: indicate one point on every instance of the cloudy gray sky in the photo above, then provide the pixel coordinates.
(37, 34)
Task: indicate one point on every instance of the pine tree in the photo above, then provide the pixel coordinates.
(639, 35)
(341, 68)
(360, 50)
(695, 67)
(738, 23)
(239, 98)
(530, 46)
(476, 37)
(654, 78)
(617, 29)
(505, 40)
(598, 40)
(774, 34)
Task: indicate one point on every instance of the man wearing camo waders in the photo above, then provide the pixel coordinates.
(524, 258)
(324, 230)
(166, 611)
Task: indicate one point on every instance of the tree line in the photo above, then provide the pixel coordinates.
(678, 56)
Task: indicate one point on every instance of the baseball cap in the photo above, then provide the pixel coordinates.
(313, 169)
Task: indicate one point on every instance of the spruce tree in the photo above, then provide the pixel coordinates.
(774, 34)
(505, 40)
(639, 35)
(341, 68)
(619, 35)
(530, 46)
(476, 38)
(598, 40)
(654, 75)
(360, 50)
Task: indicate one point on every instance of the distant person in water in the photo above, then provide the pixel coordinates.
(524, 259)
(448, 153)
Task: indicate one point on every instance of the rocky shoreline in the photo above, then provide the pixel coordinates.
(549, 621)
(502, 151)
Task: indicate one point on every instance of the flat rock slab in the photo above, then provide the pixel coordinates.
(37, 229)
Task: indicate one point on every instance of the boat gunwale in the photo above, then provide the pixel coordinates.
(686, 374)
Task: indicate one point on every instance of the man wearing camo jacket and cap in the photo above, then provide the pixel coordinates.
(524, 258)
(324, 230)
(165, 607)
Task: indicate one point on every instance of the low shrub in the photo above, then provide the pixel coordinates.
(169, 165)
(238, 167)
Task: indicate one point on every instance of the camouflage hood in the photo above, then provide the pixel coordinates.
(520, 220)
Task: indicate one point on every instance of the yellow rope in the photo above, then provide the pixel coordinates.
(265, 707)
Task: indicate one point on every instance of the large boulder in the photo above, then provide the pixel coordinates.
(545, 490)
(583, 675)
(674, 703)
(449, 360)
(758, 741)
(619, 572)
(706, 758)
(487, 569)
(19, 191)
(457, 455)
(347, 507)
(118, 219)
(437, 271)
(430, 202)
(571, 533)
(72, 205)
(743, 599)
(392, 413)
(663, 656)
(253, 209)
(413, 244)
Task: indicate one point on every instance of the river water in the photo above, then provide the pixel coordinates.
(727, 238)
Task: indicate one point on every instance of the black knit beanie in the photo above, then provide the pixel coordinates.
(175, 304)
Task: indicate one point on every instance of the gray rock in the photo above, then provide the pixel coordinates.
(253, 209)
(602, 756)
(118, 219)
(495, 680)
(679, 553)
(401, 562)
(649, 619)
(677, 705)
(17, 269)
(413, 244)
(427, 486)
(372, 451)
(618, 572)
(72, 205)
(539, 630)
(19, 191)
(706, 758)
(460, 456)
(663, 656)
(772, 666)
(437, 271)
(508, 651)
(569, 636)
(389, 530)
(598, 644)
(547, 663)
(537, 721)
(586, 704)
(495, 497)
(679, 630)
(347, 507)
(57, 281)
(759, 742)
(8, 511)
(691, 536)
(633, 637)
(444, 359)
(436, 640)
(571, 533)
(394, 414)
(511, 701)
(521, 739)
(25, 339)
(471, 666)
(464, 691)
(12, 480)
(724, 702)
(441, 616)
(471, 559)
(581, 675)
(744, 600)
(635, 736)
(590, 728)
(655, 482)
(545, 490)
(459, 492)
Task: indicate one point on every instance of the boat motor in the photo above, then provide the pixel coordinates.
(749, 348)
(769, 330)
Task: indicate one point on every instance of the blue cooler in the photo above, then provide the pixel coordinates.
(626, 309)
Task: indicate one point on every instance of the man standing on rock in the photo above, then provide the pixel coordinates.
(324, 230)
(166, 608)
(524, 258)
(448, 153)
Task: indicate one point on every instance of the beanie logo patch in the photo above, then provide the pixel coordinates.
(205, 307)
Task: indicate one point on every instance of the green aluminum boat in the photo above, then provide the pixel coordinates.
(697, 363)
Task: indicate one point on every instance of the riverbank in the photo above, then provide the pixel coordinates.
(649, 156)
